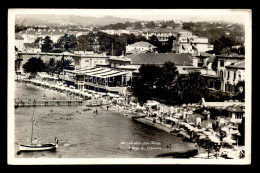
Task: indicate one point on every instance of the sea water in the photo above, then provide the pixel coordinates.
(82, 134)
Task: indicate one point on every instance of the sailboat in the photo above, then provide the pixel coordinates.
(38, 147)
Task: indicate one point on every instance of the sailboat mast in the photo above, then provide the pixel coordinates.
(32, 127)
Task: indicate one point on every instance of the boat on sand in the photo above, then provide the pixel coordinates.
(35, 146)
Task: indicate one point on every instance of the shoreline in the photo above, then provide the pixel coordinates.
(120, 110)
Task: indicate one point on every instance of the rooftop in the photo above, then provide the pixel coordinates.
(161, 58)
(211, 59)
(240, 65)
(119, 58)
(224, 104)
(231, 55)
(46, 32)
(162, 30)
(142, 44)
(135, 51)
(236, 108)
(31, 45)
(18, 37)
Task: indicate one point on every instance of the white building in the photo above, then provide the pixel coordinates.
(235, 72)
(200, 44)
(161, 33)
(89, 59)
(31, 48)
(139, 47)
(230, 70)
(188, 43)
(30, 35)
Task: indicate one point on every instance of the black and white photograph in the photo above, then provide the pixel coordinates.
(129, 86)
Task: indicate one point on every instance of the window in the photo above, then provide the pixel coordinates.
(234, 75)
(221, 63)
(221, 75)
(228, 75)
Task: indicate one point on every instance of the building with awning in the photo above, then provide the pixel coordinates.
(98, 79)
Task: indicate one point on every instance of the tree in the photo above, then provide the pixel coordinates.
(19, 28)
(51, 65)
(62, 64)
(155, 41)
(146, 84)
(150, 25)
(38, 40)
(137, 25)
(34, 65)
(140, 38)
(223, 45)
(47, 44)
(170, 73)
(84, 43)
(190, 88)
(240, 89)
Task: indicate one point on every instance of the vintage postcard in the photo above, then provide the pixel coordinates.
(129, 86)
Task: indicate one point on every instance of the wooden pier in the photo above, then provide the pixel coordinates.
(49, 103)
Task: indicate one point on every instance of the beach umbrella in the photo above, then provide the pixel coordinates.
(192, 124)
(207, 133)
(235, 132)
(202, 136)
(225, 129)
(229, 140)
(205, 112)
(214, 139)
(175, 116)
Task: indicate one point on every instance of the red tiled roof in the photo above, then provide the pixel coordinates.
(31, 45)
(162, 30)
(231, 55)
(142, 44)
(161, 58)
(237, 65)
(18, 37)
(236, 108)
(211, 59)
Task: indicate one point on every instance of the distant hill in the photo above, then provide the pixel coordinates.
(48, 20)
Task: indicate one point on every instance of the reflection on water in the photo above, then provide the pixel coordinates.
(82, 135)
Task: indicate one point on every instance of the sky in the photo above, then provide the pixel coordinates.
(226, 15)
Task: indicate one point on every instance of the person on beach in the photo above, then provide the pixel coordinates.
(96, 111)
(107, 107)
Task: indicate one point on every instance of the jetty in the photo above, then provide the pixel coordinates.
(49, 103)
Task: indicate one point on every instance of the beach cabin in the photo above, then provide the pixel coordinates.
(154, 105)
(236, 113)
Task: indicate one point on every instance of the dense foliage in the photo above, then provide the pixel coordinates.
(47, 45)
(165, 84)
(222, 35)
(34, 65)
(19, 28)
